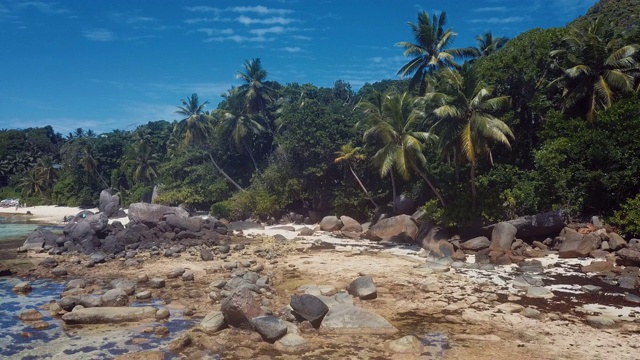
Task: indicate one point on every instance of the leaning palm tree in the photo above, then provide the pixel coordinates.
(46, 172)
(597, 67)
(431, 50)
(197, 129)
(349, 154)
(401, 145)
(31, 184)
(486, 44)
(90, 164)
(466, 123)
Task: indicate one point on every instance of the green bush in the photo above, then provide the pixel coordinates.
(628, 217)
(221, 209)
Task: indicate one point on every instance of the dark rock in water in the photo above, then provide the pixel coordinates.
(309, 307)
(38, 239)
(152, 214)
(269, 327)
(363, 287)
(239, 308)
(115, 297)
(244, 225)
(22, 288)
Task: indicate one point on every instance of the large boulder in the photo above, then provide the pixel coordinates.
(616, 242)
(109, 203)
(38, 239)
(269, 327)
(404, 205)
(109, 315)
(401, 228)
(239, 308)
(191, 224)
(330, 223)
(536, 226)
(308, 307)
(97, 222)
(628, 257)
(363, 287)
(475, 244)
(502, 236)
(576, 245)
(350, 224)
(115, 298)
(343, 318)
(152, 214)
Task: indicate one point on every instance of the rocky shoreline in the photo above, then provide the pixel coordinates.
(397, 289)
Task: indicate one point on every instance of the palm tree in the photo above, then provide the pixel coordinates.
(597, 66)
(486, 45)
(31, 184)
(348, 154)
(144, 162)
(402, 146)
(46, 172)
(466, 124)
(90, 164)
(196, 129)
(256, 94)
(235, 124)
(431, 50)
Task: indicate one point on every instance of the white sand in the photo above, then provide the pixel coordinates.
(51, 214)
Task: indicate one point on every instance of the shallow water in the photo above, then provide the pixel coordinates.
(13, 227)
(18, 340)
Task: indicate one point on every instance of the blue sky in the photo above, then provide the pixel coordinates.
(104, 65)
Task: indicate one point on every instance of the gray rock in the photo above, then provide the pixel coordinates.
(98, 258)
(406, 345)
(616, 242)
(502, 236)
(291, 343)
(143, 295)
(628, 257)
(22, 287)
(628, 281)
(176, 273)
(187, 276)
(305, 231)
(115, 298)
(574, 246)
(350, 224)
(350, 319)
(401, 228)
(531, 266)
(163, 313)
(193, 224)
(156, 283)
(244, 225)
(309, 307)
(239, 308)
(219, 284)
(49, 263)
(75, 284)
(531, 313)
(591, 289)
(206, 254)
(601, 322)
(152, 214)
(59, 271)
(89, 301)
(475, 244)
(363, 287)
(67, 303)
(128, 286)
(538, 292)
(330, 223)
(632, 298)
(213, 322)
(269, 327)
(109, 315)
(526, 281)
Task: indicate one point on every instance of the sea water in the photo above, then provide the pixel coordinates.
(18, 227)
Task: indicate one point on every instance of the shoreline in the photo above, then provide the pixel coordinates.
(49, 214)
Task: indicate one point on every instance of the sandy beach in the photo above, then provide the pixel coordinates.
(51, 214)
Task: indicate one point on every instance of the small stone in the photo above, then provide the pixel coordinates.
(406, 345)
(531, 313)
(291, 343)
(175, 273)
(510, 308)
(206, 254)
(143, 295)
(591, 289)
(187, 276)
(219, 284)
(40, 325)
(269, 327)
(142, 278)
(162, 313)
(49, 263)
(22, 288)
(161, 331)
(75, 284)
(213, 322)
(539, 292)
(59, 271)
(156, 283)
(115, 297)
(31, 315)
(363, 287)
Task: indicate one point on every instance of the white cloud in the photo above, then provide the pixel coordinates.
(490, 9)
(239, 39)
(290, 49)
(211, 32)
(98, 35)
(43, 7)
(301, 37)
(279, 20)
(271, 30)
(262, 10)
(206, 20)
(204, 9)
(497, 20)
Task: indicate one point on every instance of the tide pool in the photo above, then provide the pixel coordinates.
(17, 227)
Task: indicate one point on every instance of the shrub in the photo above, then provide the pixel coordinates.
(628, 217)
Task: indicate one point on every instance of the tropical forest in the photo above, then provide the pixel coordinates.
(548, 120)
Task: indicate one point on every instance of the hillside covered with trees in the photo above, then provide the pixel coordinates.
(547, 120)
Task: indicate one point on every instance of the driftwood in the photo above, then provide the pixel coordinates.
(536, 226)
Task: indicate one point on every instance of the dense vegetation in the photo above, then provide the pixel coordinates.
(547, 120)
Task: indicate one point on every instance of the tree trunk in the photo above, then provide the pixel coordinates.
(363, 188)
(255, 165)
(433, 188)
(215, 164)
(393, 186)
(474, 195)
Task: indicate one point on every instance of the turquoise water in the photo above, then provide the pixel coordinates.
(16, 227)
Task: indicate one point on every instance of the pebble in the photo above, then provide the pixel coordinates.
(156, 283)
(143, 295)
(162, 313)
(22, 288)
(187, 276)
